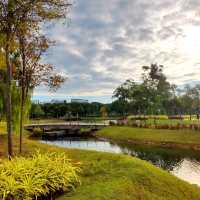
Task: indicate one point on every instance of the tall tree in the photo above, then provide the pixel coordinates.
(156, 82)
(147, 96)
(15, 14)
(8, 21)
(33, 72)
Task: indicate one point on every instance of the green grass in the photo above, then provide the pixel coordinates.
(153, 135)
(107, 176)
(119, 177)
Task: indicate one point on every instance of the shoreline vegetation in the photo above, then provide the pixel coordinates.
(183, 139)
(116, 176)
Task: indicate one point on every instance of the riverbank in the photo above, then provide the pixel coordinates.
(115, 176)
(184, 139)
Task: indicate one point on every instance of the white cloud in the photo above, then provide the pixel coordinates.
(107, 42)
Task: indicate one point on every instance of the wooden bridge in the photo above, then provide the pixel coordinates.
(65, 129)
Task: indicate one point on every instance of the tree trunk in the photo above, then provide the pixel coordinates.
(8, 99)
(23, 94)
(22, 110)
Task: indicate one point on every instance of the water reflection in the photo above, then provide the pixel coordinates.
(188, 170)
(88, 144)
(184, 164)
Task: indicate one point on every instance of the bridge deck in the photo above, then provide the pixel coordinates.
(64, 126)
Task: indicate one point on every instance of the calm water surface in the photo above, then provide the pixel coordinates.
(182, 163)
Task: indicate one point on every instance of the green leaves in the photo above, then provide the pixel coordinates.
(40, 175)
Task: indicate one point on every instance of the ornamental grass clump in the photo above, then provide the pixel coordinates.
(37, 177)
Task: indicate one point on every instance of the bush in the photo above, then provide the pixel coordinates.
(180, 117)
(36, 177)
(190, 117)
(146, 117)
(158, 117)
(37, 132)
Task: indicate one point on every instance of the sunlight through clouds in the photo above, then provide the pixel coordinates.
(109, 41)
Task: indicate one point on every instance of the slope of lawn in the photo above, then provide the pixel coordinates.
(115, 176)
(118, 177)
(183, 137)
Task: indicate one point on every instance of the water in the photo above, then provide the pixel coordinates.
(184, 164)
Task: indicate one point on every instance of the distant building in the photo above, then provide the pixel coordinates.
(57, 101)
(79, 101)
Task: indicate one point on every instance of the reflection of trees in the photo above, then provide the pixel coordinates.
(161, 160)
(167, 159)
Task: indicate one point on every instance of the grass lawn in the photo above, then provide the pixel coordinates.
(182, 137)
(107, 176)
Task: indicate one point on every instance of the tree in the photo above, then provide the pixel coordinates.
(7, 30)
(36, 111)
(122, 93)
(118, 107)
(23, 15)
(104, 112)
(32, 72)
(149, 95)
(156, 83)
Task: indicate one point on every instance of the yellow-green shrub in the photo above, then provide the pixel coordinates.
(143, 117)
(36, 176)
(37, 132)
(159, 117)
(188, 117)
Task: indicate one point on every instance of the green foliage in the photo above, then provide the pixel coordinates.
(16, 107)
(68, 111)
(37, 132)
(36, 111)
(16, 96)
(160, 117)
(36, 176)
(16, 99)
(148, 96)
(103, 111)
(156, 95)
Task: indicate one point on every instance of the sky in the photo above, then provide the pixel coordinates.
(105, 42)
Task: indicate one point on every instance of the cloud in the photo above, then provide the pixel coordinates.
(107, 42)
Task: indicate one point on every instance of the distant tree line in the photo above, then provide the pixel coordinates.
(153, 95)
(66, 110)
(73, 110)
